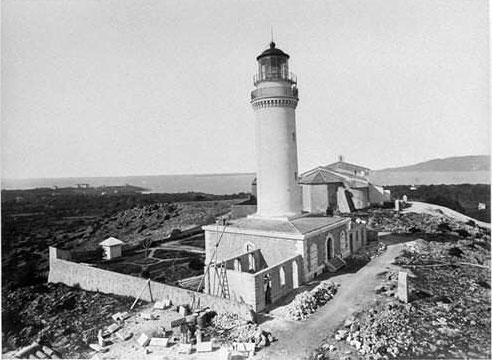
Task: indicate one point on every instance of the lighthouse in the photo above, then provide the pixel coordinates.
(274, 101)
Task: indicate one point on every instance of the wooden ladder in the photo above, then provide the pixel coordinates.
(223, 281)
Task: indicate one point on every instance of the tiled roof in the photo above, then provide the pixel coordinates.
(322, 175)
(298, 226)
(346, 166)
(111, 241)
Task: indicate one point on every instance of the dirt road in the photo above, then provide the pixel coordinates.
(298, 339)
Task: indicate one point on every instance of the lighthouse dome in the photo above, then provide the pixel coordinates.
(272, 51)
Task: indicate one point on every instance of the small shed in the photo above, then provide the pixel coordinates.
(111, 247)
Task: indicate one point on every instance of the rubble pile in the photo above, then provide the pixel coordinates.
(448, 315)
(227, 321)
(56, 314)
(230, 328)
(308, 302)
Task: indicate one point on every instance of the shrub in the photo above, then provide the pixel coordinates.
(196, 264)
(444, 226)
(463, 233)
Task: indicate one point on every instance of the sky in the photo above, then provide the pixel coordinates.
(132, 87)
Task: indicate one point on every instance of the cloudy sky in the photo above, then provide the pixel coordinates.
(132, 87)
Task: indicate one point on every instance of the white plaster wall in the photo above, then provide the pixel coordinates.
(276, 158)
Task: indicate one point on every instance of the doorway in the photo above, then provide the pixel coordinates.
(267, 288)
(329, 248)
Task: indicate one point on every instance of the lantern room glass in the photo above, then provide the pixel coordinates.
(273, 67)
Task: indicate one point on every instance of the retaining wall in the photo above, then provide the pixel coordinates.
(94, 279)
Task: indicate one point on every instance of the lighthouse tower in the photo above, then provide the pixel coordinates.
(274, 101)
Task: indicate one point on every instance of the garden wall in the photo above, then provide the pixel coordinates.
(91, 278)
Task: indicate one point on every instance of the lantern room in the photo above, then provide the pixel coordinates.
(273, 64)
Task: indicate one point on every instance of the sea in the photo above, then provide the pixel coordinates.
(221, 184)
(218, 184)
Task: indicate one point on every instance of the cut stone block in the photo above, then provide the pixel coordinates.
(402, 287)
(143, 340)
(112, 328)
(182, 311)
(98, 347)
(250, 347)
(159, 342)
(204, 346)
(159, 305)
(41, 354)
(119, 316)
(178, 322)
(124, 335)
(147, 316)
(47, 350)
(100, 339)
(184, 349)
(223, 354)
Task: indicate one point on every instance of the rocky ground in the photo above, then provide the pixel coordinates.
(30, 308)
(58, 315)
(448, 313)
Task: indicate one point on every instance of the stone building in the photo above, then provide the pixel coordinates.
(260, 258)
(340, 187)
(112, 248)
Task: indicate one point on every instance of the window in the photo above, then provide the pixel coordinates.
(313, 256)
(282, 276)
(251, 261)
(237, 265)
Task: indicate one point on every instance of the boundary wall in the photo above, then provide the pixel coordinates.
(90, 278)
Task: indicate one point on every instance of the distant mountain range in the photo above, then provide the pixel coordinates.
(453, 170)
(457, 163)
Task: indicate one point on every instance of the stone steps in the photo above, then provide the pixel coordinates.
(335, 264)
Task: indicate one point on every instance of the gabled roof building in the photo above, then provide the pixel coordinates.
(339, 187)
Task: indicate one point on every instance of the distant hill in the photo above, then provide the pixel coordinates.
(453, 170)
(458, 163)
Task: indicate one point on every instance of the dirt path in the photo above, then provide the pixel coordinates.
(436, 210)
(298, 339)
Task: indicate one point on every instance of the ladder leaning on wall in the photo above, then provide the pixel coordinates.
(220, 283)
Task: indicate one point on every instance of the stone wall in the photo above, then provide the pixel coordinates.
(91, 278)
(275, 249)
(320, 243)
(278, 288)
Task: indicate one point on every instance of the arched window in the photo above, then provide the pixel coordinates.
(251, 261)
(237, 265)
(313, 256)
(282, 276)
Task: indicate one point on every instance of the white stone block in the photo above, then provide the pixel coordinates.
(159, 342)
(147, 316)
(223, 354)
(98, 348)
(204, 346)
(124, 335)
(143, 340)
(112, 328)
(184, 349)
(159, 305)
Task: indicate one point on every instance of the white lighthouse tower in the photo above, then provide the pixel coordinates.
(274, 101)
